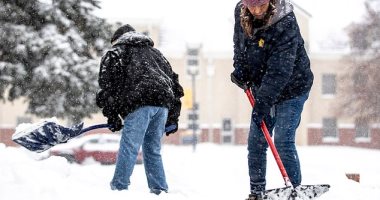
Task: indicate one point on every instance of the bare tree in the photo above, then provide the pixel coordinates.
(361, 83)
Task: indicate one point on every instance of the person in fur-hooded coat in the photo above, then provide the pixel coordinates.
(271, 60)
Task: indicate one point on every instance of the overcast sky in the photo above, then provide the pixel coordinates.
(329, 18)
(211, 21)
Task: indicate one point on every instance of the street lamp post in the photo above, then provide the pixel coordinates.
(193, 71)
(194, 108)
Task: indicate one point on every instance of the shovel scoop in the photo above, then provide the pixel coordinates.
(302, 192)
(42, 136)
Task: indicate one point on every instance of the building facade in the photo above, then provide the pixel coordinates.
(215, 110)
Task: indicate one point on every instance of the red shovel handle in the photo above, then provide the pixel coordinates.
(270, 142)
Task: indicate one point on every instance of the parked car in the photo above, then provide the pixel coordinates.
(99, 147)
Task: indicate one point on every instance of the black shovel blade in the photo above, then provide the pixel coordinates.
(302, 192)
(42, 136)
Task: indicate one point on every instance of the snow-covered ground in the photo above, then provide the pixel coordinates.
(211, 172)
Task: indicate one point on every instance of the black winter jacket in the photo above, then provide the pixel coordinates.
(134, 74)
(274, 59)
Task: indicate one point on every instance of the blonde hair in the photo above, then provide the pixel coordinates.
(248, 21)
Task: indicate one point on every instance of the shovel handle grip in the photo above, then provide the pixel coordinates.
(270, 142)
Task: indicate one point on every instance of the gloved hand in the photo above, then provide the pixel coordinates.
(270, 122)
(257, 118)
(239, 82)
(101, 98)
(171, 128)
(115, 123)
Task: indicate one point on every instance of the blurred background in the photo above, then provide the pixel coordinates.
(50, 52)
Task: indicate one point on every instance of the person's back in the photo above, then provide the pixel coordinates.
(138, 84)
(142, 76)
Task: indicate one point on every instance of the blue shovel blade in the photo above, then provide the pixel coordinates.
(42, 136)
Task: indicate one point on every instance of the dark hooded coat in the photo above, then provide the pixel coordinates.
(134, 74)
(274, 59)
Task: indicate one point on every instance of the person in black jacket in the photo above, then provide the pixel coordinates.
(138, 86)
(271, 60)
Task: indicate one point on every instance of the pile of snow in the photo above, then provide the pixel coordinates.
(211, 172)
(25, 128)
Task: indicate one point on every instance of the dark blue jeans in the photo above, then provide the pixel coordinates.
(287, 116)
(144, 127)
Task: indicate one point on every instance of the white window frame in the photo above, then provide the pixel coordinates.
(362, 126)
(329, 85)
(330, 138)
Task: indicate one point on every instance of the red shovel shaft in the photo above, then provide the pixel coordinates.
(270, 143)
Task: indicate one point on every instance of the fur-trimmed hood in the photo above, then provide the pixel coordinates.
(134, 38)
(278, 10)
(283, 7)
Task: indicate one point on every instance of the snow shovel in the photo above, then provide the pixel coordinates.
(301, 192)
(42, 136)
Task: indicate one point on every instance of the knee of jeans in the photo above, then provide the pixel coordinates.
(256, 137)
(152, 149)
(284, 145)
(257, 146)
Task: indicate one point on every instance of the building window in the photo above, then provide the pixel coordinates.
(227, 131)
(330, 128)
(361, 129)
(227, 125)
(328, 84)
(227, 139)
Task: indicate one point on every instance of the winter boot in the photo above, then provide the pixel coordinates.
(256, 196)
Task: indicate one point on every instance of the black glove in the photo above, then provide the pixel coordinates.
(239, 82)
(115, 123)
(270, 122)
(101, 96)
(257, 118)
(171, 128)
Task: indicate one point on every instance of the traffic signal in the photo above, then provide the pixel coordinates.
(193, 126)
(193, 116)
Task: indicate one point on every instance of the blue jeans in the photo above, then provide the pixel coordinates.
(287, 116)
(144, 127)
